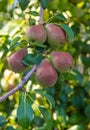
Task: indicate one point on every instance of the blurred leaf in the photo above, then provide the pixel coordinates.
(38, 44)
(74, 11)
(76, 118)
(2, 121)
(14, 43)
(78, 100)
(64, 5)
(47, 116)
(44, 3)
(34, 13)
(78, 127)
(31, 59)
(61, 112)
(24, 114)
(23, 4)
(9, 128)
(47, 96)
(57, 18)
(85, 60)
(32, 22)
(87, 111)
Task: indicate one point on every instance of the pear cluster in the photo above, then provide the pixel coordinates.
(54, 34)
(61, 61)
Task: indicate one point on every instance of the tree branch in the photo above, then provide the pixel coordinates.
(41, 14)
(20, 85)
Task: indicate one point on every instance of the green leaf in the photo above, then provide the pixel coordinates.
(31, 59)
(24, 114)
(14, 43)
(61, 113)
(34, 13)
(47, 116)
(87, 112)
(50, 100)
(76, 118)
(68, 31)
(32, 22)
(44, 3)
(78, 100)
(57, 18)
(85, 60)
(48, 97)
(2, 121)
(9, 128)
(38, 44)
(23, 4)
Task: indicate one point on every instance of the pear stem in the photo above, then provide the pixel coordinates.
(20, 85)
(41, 14)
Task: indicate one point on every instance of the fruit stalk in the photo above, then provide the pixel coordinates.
(41, 14)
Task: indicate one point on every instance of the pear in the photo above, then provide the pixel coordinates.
(56, 35)
(36, 33)
(62, 61)
(46, 74)
(15, 61)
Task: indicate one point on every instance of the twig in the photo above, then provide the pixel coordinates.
(20, 85)
(41, 14)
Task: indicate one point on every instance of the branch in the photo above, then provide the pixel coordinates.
(20, 85)
(41, 14)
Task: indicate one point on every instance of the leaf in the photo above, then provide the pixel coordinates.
(78, 100)
(9, 128)
(23, 4)
(32, 22)
(68, 31)
(87, 112)
(85, 60)
(38, 44)
(34, 13)
(24, 114)
(14, 43)
(61, 113)
(47, 116)
(2, 121)
(48, 97)
(31, 59)
(44, 3)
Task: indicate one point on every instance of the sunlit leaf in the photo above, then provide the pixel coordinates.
(23, 4)
(47, 96)
(47, 117)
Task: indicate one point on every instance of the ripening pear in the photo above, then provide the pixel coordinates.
(62, 61)
(15, 61)
(36, 33)
(46, 74)
(56, 35)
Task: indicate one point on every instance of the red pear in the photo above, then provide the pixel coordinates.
(36, 33)
(62, 61)
(46, 74)
(15, 61)
(56, 35)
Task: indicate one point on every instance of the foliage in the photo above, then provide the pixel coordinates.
(65, 106)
